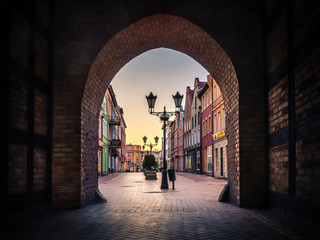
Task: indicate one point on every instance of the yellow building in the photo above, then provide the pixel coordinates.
(133, 161)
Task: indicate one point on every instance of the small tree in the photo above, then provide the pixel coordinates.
(148, 162)
(156, 165)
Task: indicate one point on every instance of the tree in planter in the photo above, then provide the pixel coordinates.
(148, 162)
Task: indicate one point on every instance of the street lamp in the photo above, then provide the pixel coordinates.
(164, 116)
(150, 144)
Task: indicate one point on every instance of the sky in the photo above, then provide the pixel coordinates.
(162, 71)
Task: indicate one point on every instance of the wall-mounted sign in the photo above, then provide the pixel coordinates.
(101, 144)
(115, 143)
(219, 134)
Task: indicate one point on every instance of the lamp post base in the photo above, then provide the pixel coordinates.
(164, 180)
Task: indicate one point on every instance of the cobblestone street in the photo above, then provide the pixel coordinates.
(139, 209)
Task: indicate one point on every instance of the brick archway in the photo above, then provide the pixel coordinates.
(56, 52)
(160, 30)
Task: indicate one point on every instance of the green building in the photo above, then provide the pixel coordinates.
(105, 127)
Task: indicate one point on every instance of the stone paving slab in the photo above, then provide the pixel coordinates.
(138, 209)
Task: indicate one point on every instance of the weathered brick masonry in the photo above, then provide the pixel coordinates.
(141, 36)
(27, 58)
(62, 55)
(293, 92)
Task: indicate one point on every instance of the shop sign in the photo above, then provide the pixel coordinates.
(115, 143)
(219, 134)
(101, 143)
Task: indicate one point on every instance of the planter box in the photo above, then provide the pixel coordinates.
(151, 175)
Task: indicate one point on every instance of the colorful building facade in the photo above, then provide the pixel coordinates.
(103, 139)
(195, 147)
(205, 94)
(168, 144)
(112, 135)
(220, 141)
(123, 154)
(192, 127)
(133, 158)
(187, 130)
(178, 142)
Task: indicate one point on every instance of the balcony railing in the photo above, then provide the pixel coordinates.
(114, 121)
(115, 143)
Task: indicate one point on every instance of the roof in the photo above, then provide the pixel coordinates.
(191, 96)
(201, 85)
(202, 90)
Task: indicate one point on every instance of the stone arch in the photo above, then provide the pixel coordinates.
(159, 30)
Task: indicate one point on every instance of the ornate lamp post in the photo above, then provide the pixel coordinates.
(164, 116)
(150, 145)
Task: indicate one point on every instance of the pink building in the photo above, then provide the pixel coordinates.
(122, 133)
(178, 142)
(205, 95)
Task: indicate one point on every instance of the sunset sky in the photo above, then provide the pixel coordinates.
(162, 71)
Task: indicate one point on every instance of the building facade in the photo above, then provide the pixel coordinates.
(111, 135)
(103, 139)
(220, 141)
(177, 155)
(192, 127)
(195, 147)
(122, 135)
(187, 130)
(173, 143)
(134, 160)
(168, 144)
(114, 133)
(205, 94)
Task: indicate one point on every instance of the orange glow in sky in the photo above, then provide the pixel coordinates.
(162, 71)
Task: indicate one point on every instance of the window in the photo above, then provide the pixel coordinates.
(137, 154)
(209, 122)
(217, 161)
(214, 93)
(223, 119)
(195, 120)
(192, 122)
(219, 126)
(205, 127)
(221, 161)
(203, 102)
(191, 139)
(215, 123)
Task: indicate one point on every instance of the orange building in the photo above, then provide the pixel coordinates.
(133, 161)
(220, 142)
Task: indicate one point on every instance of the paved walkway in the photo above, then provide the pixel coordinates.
(138, 209)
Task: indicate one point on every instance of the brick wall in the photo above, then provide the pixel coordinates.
(26, 179)
(143, 36)
(91, 46)
(293, 99)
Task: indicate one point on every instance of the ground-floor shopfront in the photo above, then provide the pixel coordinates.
(192, 161)
(220, 156)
